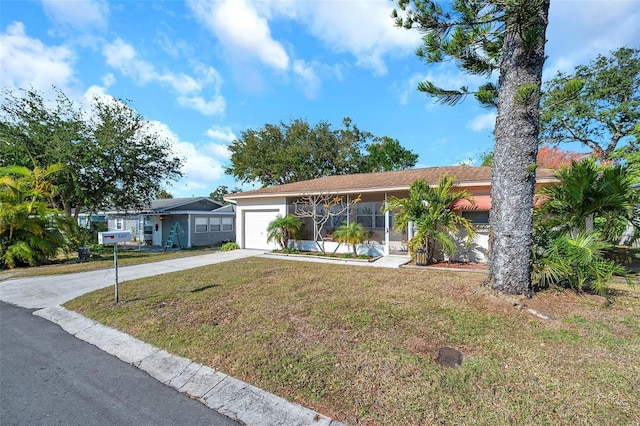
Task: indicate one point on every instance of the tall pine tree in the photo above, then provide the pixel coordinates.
(483, 36)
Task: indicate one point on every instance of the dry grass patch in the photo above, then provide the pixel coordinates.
(358, 343)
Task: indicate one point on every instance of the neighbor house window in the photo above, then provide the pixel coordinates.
(476, 217)
(119, 224)
(201, 224)
(214, 224)
(227, 224)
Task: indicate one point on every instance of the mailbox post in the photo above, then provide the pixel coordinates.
(114, 237)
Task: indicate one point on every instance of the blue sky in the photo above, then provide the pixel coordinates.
(203, 71)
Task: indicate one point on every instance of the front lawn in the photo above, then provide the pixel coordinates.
(358, 343)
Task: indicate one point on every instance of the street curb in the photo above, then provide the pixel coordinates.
(234, 398)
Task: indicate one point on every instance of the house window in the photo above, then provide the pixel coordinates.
(201, 224)
(119, 224)
(227, 224)
(476, 217)
(214, 224)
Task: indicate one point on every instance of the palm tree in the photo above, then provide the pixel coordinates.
(430, 209)
(574, 261)
(282, 229)
(350, 233)
(587, 193)
(28, 225)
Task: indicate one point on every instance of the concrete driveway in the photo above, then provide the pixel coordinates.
(53, 290)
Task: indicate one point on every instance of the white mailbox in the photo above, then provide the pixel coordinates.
(113, 237)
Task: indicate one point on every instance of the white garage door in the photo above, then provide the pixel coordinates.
(255, 229)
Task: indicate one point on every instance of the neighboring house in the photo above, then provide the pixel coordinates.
(255, 209)
(197, 221)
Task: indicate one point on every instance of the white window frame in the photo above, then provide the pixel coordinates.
(227, 224)
(119, 224)
(200, 221)
(215, 224)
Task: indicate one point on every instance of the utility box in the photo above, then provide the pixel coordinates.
(113, 237)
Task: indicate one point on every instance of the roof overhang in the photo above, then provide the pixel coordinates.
(241, 196)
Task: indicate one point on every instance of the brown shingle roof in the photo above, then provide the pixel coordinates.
(383, 181)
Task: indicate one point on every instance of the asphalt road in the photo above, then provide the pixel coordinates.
(48, 377)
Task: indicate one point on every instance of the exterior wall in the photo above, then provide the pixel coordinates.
(477, 251)
(278, 205)
(165, 229)
(124, 223)
(211, 237)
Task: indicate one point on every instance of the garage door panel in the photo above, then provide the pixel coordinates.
(255, 229)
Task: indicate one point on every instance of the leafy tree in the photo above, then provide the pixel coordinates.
(35, 133)
(486, 158)
(484, 36)
(221, 191)
(629, 154)
(113, 155)
(598, 105)
(165, 195)
(387, 154)
(586, 193)
(282, 229)
(548, 157)
(552, 157)
(29, 232)
(430, 210)
(288, 152)
(126, 160)
(352, 233)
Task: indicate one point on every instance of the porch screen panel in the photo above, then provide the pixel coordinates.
(365, 214)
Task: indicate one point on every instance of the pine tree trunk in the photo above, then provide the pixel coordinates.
(513, 169)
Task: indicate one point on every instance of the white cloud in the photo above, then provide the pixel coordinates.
(218, 150)
(26, 61)
(108, 79)
(241, 30)
(221, 133)
(482, 122)
(201, 171)
(215, 106)
(580, 31)
(307, 77)
(123, 57)
(79, 14)
(362, 28)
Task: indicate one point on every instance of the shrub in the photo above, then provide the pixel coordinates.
(576, 262)
(229, 246)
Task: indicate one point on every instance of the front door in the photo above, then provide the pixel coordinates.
(156, 226)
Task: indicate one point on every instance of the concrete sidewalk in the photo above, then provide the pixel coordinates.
(234, 398)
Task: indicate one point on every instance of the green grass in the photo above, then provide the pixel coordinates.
(358, 344)
(100, 259)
